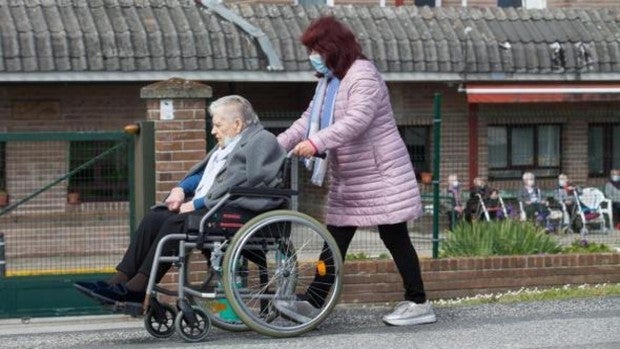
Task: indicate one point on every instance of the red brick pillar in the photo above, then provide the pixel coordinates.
(178, 109)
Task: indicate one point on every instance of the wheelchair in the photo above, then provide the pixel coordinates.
(256, 265)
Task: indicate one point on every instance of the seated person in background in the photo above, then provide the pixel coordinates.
(246, 155)
(612, 192)
(565, 193)
(454, 192)
(530, 196)
(489, 195)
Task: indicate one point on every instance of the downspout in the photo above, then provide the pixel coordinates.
(263, 41)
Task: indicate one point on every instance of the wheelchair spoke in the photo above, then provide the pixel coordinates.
(294, 278)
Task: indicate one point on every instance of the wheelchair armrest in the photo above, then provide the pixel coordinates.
(265, 192)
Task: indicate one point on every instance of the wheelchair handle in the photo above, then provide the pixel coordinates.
(321, 155)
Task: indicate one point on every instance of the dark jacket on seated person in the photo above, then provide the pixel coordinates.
(254, 162)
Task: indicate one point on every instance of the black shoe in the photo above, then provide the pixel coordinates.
(87, 286)
(118, 293)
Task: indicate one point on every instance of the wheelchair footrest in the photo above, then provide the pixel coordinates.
(128, 308)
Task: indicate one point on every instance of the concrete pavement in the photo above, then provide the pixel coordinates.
(577, 323)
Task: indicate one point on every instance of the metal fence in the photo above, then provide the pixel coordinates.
(511, 140)
(69, 202)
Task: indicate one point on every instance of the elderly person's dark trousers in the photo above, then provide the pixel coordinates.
(157, 223)
(396, 238)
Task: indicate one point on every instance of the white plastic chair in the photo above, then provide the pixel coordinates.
(592, 207)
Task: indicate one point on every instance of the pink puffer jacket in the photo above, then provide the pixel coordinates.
(372, 179)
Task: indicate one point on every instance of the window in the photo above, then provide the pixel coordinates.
(515, 149)
(429, 3)
(313, 2)
(509, 3)
(530, 4)
(417, 141)
(2, 165)
(603, 149)
(104, 180)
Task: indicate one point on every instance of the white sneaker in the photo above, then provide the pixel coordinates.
(299, 311)
(409, 313)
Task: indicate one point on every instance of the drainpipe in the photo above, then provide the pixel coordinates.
(436, 167)
(261, 37)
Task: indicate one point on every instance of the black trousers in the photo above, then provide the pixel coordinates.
(616, 211)
(156, 224)
(396, 238)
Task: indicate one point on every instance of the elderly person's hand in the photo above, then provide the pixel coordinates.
(187, 207)
(175, 199)
(304, 149)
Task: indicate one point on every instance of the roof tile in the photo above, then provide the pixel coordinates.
(128, 35)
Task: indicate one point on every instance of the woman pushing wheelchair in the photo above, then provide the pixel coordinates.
(372, 181)
(246, 155)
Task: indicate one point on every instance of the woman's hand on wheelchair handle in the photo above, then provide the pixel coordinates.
(304, 149)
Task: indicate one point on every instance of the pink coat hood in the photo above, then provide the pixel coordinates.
(371, 177)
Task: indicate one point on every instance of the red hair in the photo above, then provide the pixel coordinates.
(335, 42)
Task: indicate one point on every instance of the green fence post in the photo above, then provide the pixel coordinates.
(436, 162)
(144, 173)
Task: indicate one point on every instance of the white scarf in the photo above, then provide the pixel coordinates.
(321, 116)
(214, 166)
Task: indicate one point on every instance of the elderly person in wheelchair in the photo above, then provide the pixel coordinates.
(246, 155)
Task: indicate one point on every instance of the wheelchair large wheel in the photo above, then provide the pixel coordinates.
(218, 309)
(293, 278)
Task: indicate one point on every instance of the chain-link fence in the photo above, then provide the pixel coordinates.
(502, 144)
(68, 202)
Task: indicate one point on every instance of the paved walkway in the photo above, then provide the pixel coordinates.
(578, 323)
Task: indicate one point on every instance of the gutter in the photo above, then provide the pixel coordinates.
(289, 76)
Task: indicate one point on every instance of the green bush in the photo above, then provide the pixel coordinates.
(583, 246)
(503, 238)
(357, 256)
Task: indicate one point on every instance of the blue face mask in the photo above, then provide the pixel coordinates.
(318, 64)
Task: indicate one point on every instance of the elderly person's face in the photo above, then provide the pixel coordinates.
(227, 123)
(529, 180)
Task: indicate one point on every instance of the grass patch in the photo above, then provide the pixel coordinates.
(536, 294)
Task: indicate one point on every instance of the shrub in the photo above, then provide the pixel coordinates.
(503, 238)
(357, 256)
(583, 246)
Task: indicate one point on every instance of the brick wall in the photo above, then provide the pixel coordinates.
(378, 281)
(179, 143)
(69, 107)
(375, 281)
(111, 106)
(574, 128)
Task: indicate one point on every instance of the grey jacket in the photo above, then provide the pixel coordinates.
(254, 162)
(528, 198)
(611, 192)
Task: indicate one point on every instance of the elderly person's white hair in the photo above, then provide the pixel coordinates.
(528, 175)
(246, 112)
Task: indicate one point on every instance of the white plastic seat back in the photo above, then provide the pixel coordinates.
(591, 198)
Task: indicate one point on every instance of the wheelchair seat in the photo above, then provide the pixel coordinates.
(225, 222)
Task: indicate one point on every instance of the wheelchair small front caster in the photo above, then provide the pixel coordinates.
(193, 325)
(159, 320)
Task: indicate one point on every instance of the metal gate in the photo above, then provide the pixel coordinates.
(69, 216)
